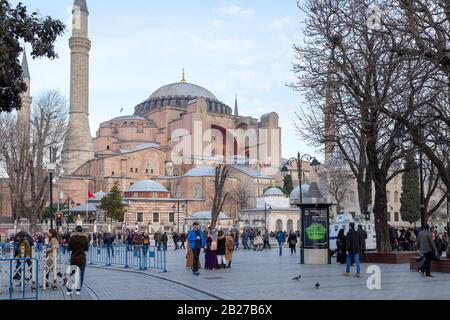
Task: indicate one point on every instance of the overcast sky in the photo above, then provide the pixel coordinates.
(228, 47)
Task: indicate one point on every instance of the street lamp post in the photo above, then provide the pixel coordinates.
(315, 164)
(265, 215)
(177, 207)
(51, 168)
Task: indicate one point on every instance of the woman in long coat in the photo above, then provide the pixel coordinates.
(229, 248)
(292, 240)
(341, 247)
(211, 252)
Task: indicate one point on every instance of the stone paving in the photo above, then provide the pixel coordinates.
(256, 276)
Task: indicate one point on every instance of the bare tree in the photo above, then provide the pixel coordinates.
(24, 156)
(220, 196)
(338, 182)
(351, 71)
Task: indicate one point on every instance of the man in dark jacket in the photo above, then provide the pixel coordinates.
(353, 247)
(363, 237)
(426, 244)
(78, 245)
(164, 240)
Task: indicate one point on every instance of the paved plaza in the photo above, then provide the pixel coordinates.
(257, 276)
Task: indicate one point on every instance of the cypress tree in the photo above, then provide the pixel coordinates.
(410, 199)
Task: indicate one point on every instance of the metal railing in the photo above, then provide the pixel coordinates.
(142, 257)
(19, 276)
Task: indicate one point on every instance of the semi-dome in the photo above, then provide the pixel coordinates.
(147, 186)
(273, 192)
(183, 89)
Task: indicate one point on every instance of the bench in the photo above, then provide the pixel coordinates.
(442, 265)
(395, 257)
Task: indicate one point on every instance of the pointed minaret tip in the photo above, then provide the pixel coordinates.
(82, 5)
(183, 77)
(236, 107)
(25, 69)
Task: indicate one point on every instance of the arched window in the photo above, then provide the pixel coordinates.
(388, 196)
(352, 197)
(107, 148)
(179, 191)
(290, 225)
(279, 225)
(197, 192)
(396, 196)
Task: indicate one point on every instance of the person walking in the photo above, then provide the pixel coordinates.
(23, 251)
(221, 250)
(211, 251)
(197, 241)
(109, 241)
(229, 248)
(164, 240)
(78, 245)
(426, 245)
(236, 240)
(266, 240)
(363, 237)
(292, 240)
(281, 239)
(182, 240)
(245, 237)
(259, 242)
(353, 247)
(175, 239)
(52, 254)
(340, 247)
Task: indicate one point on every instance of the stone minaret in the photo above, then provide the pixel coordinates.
(236, 107)
(24, 114)
(78, 147)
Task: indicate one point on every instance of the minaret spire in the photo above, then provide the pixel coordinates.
(236, 107)
(183, 77)
(78, 146)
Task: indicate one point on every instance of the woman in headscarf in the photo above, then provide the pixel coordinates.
(211, 251)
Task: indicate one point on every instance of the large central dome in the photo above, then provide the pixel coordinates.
(178, 95)
(183, 89)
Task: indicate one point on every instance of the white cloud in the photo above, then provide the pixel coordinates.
(246, 61)
(222, 45)
(217, 24)
(243, 75)
(236, 11)
(281, 23)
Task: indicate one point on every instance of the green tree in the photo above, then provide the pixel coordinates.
(112, 203)
(410, 199)
(18, 26)
(46, 212)
(288, 184)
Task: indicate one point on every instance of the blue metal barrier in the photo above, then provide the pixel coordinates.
(18, 276)
(141, 257)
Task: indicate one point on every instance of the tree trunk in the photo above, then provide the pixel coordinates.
(381, 223)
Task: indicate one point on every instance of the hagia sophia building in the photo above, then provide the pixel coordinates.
(165, 153)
